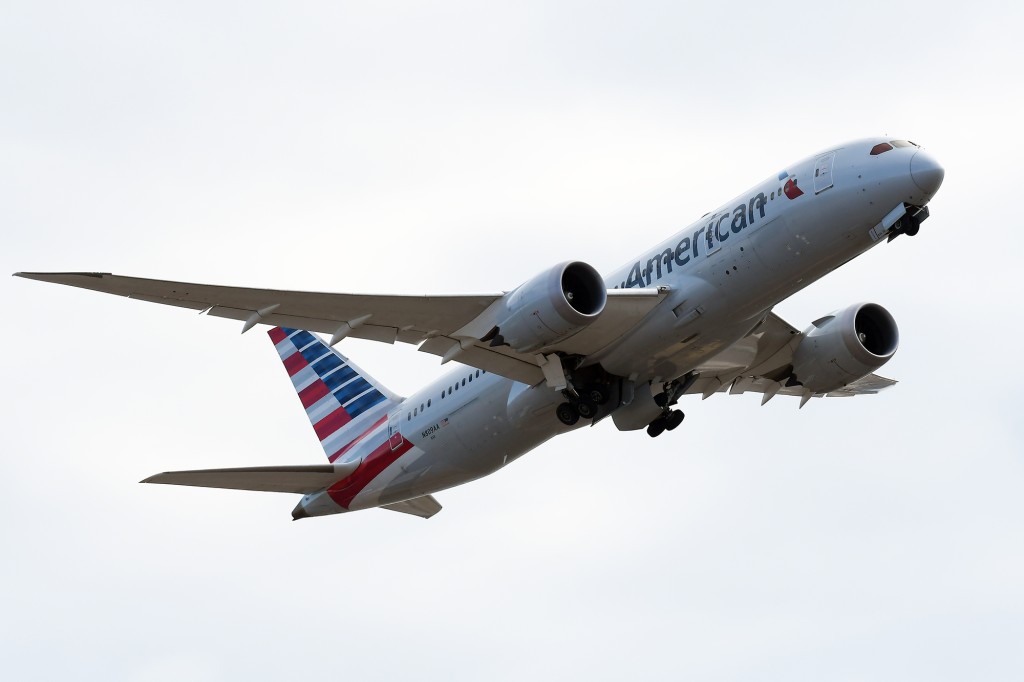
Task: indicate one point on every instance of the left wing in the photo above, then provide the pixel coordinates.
(760, 363)
(442, 325)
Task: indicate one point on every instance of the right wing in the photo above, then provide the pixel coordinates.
(760, 363)
(442, 325)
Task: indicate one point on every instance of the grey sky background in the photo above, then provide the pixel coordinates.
(461, 147)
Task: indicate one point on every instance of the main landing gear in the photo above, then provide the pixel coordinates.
(669, 419)
(584, 404)
(665, 422)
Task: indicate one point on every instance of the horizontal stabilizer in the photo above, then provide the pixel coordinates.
(425, 506)
(286, 479)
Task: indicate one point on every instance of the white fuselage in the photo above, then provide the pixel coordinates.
(724, 273)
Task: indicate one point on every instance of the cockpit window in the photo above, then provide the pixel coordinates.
(883, 147)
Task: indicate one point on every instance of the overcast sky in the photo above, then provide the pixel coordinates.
(459, 147)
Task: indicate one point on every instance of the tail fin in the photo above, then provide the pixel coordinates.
(343, 403)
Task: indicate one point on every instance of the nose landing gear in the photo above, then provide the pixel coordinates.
(910, 223)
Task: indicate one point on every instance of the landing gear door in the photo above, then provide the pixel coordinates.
(394, 435)
(823, 172)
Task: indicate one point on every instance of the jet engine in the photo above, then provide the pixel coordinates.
(551, 307)
(845, 346)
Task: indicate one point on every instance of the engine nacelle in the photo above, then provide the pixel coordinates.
(845, 346)
(552, 306)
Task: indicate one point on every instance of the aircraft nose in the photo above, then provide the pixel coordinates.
(926, 172)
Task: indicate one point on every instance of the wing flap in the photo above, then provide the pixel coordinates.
(507, 363)
(282, 479)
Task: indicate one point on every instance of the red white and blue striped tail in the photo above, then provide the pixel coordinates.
(343, 402)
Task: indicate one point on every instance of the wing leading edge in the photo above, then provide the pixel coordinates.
(438, 324)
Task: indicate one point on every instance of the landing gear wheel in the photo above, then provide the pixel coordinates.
(586, 409)
(673, 419)
(656, 427)
(567, 414)
(598, 394)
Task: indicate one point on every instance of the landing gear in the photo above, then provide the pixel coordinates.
(570, 412)
(665, 422)
(674, 419)
(656, 427)
(567, 414)
(597, 393)
(910, 224)
(586, 409)
(589, 389)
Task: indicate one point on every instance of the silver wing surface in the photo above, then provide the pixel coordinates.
(441, 325)
(761, 363)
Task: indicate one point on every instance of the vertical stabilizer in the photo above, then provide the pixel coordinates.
(343, 403)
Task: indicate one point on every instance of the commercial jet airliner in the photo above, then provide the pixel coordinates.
(692, 315)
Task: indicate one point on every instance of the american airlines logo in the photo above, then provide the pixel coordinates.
(791, 190)
(717, 231)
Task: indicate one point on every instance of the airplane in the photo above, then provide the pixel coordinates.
(689, 316)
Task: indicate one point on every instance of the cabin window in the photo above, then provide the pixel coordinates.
(478, 374)
(463, 382)
(428, 402)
